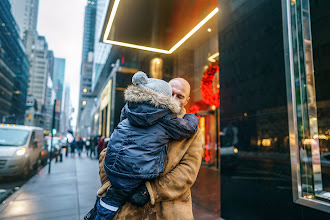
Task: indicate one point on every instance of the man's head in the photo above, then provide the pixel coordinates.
(180, 91)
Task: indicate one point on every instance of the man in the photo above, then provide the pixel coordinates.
(80, 145)
(168, 196)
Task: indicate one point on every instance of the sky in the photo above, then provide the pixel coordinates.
(62, 24)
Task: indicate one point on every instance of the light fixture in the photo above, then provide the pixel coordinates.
(84, 90)
(83, 102)
(211, 58)
(209, 30)
(176, 46)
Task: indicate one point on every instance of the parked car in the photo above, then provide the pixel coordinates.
(20, 149)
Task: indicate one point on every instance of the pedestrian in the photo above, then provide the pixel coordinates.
(87, 145)
(137, 147)
(93, 147)
(80, 145)
(169, 196)
(73, 146)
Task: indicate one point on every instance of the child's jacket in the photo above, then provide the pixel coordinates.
(137, 147)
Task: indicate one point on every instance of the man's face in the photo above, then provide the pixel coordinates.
(180, 91)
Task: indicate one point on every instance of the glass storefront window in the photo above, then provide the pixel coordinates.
(308, 102)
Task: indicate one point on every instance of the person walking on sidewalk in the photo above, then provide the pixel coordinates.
(80, 145)
(93, 146)
(88, 146)
(167, 196)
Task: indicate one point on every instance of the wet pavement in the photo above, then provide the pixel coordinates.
(206, 191)
(69, 193)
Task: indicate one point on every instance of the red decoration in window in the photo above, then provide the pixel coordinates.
(194, 109)
(209, 86)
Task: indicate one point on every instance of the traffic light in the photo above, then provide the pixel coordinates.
(29, 116)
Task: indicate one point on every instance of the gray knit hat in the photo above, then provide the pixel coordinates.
(141, 80)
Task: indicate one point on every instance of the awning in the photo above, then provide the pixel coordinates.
(156, 25)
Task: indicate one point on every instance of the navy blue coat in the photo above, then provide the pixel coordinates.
(138, 145)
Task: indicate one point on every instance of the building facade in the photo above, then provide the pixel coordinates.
(14, 69)
(26, 14)
(37, 51)
(59, 75)
(86, 99)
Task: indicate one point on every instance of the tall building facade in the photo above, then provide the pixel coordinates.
(65, 125)
(14, 69)
(58, 76)
(89, 28)
(37, 51)
(26, 14)
(85, 93)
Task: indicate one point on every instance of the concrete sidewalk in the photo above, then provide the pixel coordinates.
(69, 193)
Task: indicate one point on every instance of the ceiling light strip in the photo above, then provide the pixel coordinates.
(112, 17)
(194, 30)
(211, 58)
(136, 46)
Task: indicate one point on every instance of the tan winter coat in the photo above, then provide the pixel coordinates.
(170, 192)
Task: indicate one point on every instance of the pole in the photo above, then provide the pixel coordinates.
(217, 137)
(51, 141)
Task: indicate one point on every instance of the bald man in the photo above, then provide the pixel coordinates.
(168, 196)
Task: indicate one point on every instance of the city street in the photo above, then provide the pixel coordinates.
(69, 192)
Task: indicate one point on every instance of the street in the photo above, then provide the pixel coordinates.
(9, 185)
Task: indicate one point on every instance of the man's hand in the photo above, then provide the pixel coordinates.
(141, 196)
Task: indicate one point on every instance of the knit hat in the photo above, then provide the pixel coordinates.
(141, 80)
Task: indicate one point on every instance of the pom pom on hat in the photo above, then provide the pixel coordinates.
(140, 78)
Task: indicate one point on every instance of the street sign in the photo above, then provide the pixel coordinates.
(57, 106)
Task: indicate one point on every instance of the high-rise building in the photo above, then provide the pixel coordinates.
(86, 75)
(51, 95)
(37, 51)
(51, 58)
(101, 50)
(14, 68)
(66, 111)
(58, 79)
(89, 28)
(26, 14)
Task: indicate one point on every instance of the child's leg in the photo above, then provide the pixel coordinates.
(117, 195)
(107, 208)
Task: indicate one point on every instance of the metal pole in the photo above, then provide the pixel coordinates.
(217, 137)
(51, 141)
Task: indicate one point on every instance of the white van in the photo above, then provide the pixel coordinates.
(20, 149)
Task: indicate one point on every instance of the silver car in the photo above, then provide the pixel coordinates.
(20, 149)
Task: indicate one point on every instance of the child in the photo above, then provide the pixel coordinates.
(138, 145)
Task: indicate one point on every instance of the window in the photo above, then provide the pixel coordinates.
(308, 98)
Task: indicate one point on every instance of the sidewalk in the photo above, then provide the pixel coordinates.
(69, 193)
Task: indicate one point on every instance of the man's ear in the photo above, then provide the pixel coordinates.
(187, 101)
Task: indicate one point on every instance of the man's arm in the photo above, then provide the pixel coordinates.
(175, 183)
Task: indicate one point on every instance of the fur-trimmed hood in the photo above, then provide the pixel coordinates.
(137, 94)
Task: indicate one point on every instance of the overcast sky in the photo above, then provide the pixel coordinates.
(62, 23)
